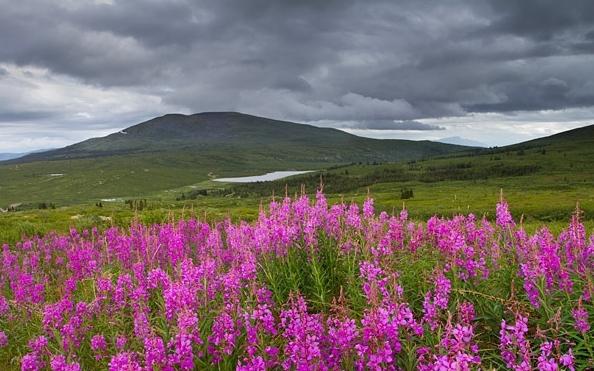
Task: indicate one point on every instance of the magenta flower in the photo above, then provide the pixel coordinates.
(59, 363)
(303, 333)
(38, 344)
(124, 361)
(31, 362)
(513, 344)
(504, 217)
(3, 339)
(580, 315)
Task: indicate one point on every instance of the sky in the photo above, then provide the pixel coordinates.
(493, 72)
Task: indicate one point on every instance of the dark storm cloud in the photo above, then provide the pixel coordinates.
(17, 116)
(368, 62)
(541, 20)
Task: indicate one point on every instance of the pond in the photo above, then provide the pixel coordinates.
(275, 175)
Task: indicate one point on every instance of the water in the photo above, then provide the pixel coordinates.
(275, 175)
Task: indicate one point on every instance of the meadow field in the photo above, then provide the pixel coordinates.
(474, 260)
(309, 285)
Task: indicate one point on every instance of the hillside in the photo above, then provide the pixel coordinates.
(177, 150)
(545, 178)
(212, 130)
(579, 136)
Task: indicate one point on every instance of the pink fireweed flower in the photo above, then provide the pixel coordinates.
(531, 275)
(504, 217)
(224, 334)
(120, 342)
(3, 339)
(353, 219)
(443, 286)
(254, 364)
(341, 339)
(580, 315)
(124, 361)
(404, 215)
(429, 312)
(379, 341)
(368, 210)
(31, 362)
(98, 345)
(568, 360)
(546, 361)
(4, 306)
(38, 344)
(154, 352)
(456, 350)
(466, 313)
(59, 363)
(514, 347)
(303, 333)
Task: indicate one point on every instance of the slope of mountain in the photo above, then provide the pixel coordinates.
(177, 150)
(575, 136)
(212, 131)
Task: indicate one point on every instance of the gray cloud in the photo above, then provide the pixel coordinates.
(406, 125)
(413, 125)
(17, 116)
(368, 63)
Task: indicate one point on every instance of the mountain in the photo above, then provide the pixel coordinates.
(210, 131)
(462, 141)
(177, 150)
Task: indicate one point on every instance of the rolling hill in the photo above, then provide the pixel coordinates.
(543, 179)
(210, 131)
(177, 150)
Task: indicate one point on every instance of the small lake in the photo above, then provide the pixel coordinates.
(275, 175)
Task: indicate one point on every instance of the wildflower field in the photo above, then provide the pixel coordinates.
(306, 286)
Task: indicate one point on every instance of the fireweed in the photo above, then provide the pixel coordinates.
(307, 286)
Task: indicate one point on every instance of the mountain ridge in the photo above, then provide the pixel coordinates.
(208, 129)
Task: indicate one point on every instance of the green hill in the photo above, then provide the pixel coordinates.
(178, 150)
(210, 131)
(544, 178)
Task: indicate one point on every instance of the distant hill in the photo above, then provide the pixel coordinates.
(215, 130)
(178, 150)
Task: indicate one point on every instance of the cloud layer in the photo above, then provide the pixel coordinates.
(74, 68)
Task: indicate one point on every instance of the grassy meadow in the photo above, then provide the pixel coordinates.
(543, 182)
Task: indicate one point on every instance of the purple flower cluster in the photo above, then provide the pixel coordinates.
(190, 294)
